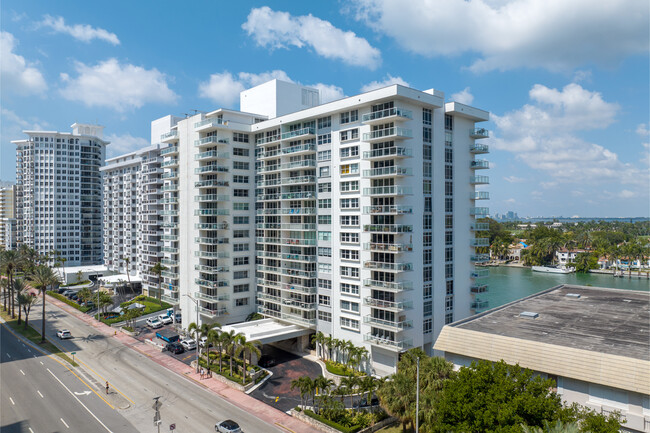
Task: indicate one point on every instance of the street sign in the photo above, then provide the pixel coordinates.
(172, 427)
(157, 405)
(73, 353)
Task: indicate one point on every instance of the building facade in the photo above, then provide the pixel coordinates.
(59, 193)
(8, 217)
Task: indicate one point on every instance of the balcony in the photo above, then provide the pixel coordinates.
(479, 305)
(298, 149)
(388, 152)
(398, 345)
(211, 183)
(211, 155)
(212, 254)
(171, 250)
(169, 137)
(392, 171)
(169, 262)
(389, 210)
(298, 195)
(211, 212)
(388, 305)
(169, 274)
(478, 288)
(387, 324)
(480, 273)
(298, 257)
(479, 242)
(211, 197)
(211, 226)
(479, 211)
(479, 180)
(169, 151)
(211, 241)
(212, 168)
(210, 284)
(212, 140)
(388, 190)
(387, 115)
(298, 180)
(170, 299)
(479, 148)
(387, 228)
(299, 320)
(172, 174)
(212, 298)
(480, 258)
(170, 187)
(287, 211)
(209, 123)
(211, 269)
(267, 140)
(479, 133)
(394, 133)
(169, 238)
(304, 132)
(388, 248)
(299, 241)
(268, 197)
(168, 212)
(479, 195)
(217, 312)
(386, 266)
(479, 164)
(479, 227)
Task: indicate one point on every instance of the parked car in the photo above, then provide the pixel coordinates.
(154, 322)
(203, 341)
(69, 293)
(175, 348)
(189, 344)
(227, 426)
(63, 334)
(165, 319)
(266, 362)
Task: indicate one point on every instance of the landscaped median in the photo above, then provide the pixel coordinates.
(151, 305)
(33, 336)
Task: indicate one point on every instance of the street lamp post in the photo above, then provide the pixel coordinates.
(417, 396)
(196, 304)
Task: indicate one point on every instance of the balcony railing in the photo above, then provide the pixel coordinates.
(394, 132)
(480, 273)
(388, 228)
(479, 195)
(385, 152)
(479, 180)
(390, 248)
(478, 288)
(479, 227)
(479, 164)
(212, 168)
(386, 266)
(212, 121)
(479, 305)
(211, 284)
(212, 254)
(210, 155)
(297, 133)
(169, 150)
(479, 242)
(211, 241)
(388, 190)
(211, 226)
(388, 209)
(211, 212)
(211, 183)
(212, 197)
(388, 171)
(388, 305)
(287, 211)
(170, 134)
(399, 344)
(481, 211)
(298, 195)
(478, 148)
(479, 258)
(479, 133)
(390, 112)
(394, 325)
(300, 148)
(212, 298)
(210, 140)
(217, 312)
(211, 269)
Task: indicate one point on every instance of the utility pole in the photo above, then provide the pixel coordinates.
(417, 396)
(156, 417)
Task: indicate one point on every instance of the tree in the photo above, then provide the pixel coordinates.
(321, 386)
(26, 300)
(558, 427)
(349, 383)
(247, 348)
(19, 288)
(85, 295)
(80, 276)
(230, 344)
(305, 385)
(198, 332)
(127, 262)
(329, 342)
(318, 339)
(158, 269)
(10, 261)
(104, 299)
(585, 261)
(41, 279)
(212, 335)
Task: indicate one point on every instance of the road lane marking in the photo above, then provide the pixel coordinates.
(22, 372)
(12, 401)
(41, 362)
(30, 430)
(77, 398)
(39, 393)
(82, 393)
(8, 355)
(64, 423)
(104, 380)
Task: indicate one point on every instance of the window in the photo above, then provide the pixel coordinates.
(426, 152)
(324, 236)
(428, 308)
(238, 151)
(350, 134)
(427, 256)
(449, 238)
(350, 306)
(325, 138)
(323, 300)
(325, 267)
(427, 222)
(240, 247)
(449, 270)
(325, 187)
(324, 252)
(426, 186)
(239, 302)
(240, 138)
(325, 122)
(324, 284)
(350, 186)
(324, 203)
(449, 188)
(350, 238)
(324, 219)
(350, 169)
(240, 261)
(349, 323)
(427, 114)
(350, 254)
(427, 326)
(449, 174)
(347, 271)
(238, 275)
(240, 193)
(240, 233)
(449, 254)
(240, 288)
(239, 165)
(350, 220)
(350, 289)
(427, 291)
(240, 220)
(449, 204)
(324, 171)
(449, 156)
(349, 203)
(449, 221)
(240, 206)
(325, 155)
(426, 169)
(426, 134)
(349, 116)
(449, 122)
(240, 179)
(427, 273)
(324, 316)
(427, 204)
(347, 152)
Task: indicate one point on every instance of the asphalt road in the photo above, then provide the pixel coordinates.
(137, 379)
(39, 394)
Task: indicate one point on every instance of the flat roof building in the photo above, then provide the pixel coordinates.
(595, 342)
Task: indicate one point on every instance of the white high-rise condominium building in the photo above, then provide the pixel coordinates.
(132, 214)
(8, 217)
(361, 222)
(59, 192)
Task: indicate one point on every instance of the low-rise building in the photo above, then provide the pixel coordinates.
(595, 343)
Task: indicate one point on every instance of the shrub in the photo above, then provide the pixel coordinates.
(127, 328)
(68, 301)
(332, 424)
(341, 369)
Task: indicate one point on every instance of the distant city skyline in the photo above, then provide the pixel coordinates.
(569, 111)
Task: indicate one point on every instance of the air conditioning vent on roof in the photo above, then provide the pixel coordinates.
(529, 315)
(573, 295)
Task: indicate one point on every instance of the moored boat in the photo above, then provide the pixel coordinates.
(553, 269)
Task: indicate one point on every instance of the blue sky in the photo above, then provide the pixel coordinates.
(566, 83)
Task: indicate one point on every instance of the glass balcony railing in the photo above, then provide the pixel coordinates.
(479, 227)
(479, 195)
(386, 266)
(479, 180)
(211, 168)
(211, 212)
(479, 305)
(394, 325)
(480, 211)
(479, 148)
(390, 248)
(213, 312)
(393, 151)
(388, 190)
(388, 305)
(211, 241)
(480, 273)
(212, 197)
(169, 135)
(211, 183)
(211, 154)
(390, 228)
(388, 171)
(388, 209)
(479, 133)
(391, 344)
(211, 140)
(169, 150)
(394, 132)
(212, 254)
(480, 242)
(210, 283)
(478, 288)
(389, 112)
(211, 121)
(479, 164)
(212, 298)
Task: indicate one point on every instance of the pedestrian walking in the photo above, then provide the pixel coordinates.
(107, 387)
(202, 373)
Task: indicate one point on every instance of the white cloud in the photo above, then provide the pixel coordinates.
(507, 34)
(81, 32)
(224, 88)
(626, 194)
(121, 144)
(276, 29)
(544, 136)
(510, 201)
(464, 97)
(514, 179)
(15, 73)
(581, 75)
(117, 86)
(389, 80)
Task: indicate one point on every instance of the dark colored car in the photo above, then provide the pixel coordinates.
(266, 362)
(175, 348)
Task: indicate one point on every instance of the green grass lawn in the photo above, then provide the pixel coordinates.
(33, 336)
(395, 428)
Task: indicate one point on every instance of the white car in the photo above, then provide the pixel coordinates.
(64, 334)
(188, 344)
(154, 322)
(227, 426)
(165, 319)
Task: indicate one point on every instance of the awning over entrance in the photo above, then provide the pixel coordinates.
(267, 330)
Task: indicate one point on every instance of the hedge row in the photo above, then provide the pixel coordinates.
(351, 429)
(68, 301)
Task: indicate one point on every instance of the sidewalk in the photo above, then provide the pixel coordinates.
(251, 405)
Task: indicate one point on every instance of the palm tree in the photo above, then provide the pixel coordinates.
(350, 383)
(158, 269)
(41, 279)
(85, 294)
(321, 387)
(231, 346)
(19, 288)
(247, 348)
(127, 261)
(4, 285)
(10, 261)
(358, 355)
(339, 345)
(305, 385)
(211, 336)
(200, 331)
(329, 342)
(367, 386)
(223, 341)
(104, 300)
(318, 339)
